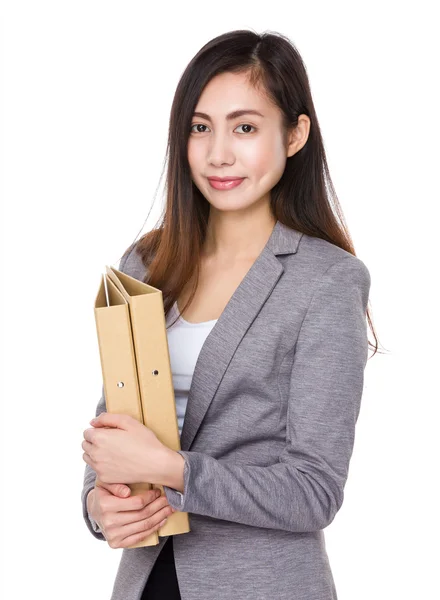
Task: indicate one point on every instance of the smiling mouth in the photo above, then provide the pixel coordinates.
(224, 178)
(224, 184)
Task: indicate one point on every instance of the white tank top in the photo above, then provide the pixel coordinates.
(185, 340)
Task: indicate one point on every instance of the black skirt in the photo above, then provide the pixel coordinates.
(162, 582)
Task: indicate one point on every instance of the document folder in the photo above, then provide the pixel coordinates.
(136, 369)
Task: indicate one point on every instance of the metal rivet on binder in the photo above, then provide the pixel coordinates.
(155, 372)
(120, 384)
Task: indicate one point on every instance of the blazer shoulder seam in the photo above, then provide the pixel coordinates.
(318, 285)
(126, 256)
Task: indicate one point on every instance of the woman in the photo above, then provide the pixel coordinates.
(266, 307)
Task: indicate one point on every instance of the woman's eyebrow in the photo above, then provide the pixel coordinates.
(232, 115)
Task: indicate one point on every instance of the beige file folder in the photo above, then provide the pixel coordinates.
(136, 370)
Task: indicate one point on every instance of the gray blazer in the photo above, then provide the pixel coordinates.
(269, 429)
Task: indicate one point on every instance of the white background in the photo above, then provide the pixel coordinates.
(87, 89)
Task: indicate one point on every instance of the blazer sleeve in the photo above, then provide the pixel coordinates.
(303, 491)
(89, 473)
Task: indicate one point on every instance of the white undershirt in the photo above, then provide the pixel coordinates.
(185, 340)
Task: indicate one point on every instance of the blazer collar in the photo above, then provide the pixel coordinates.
(283, 239)
(223, 339)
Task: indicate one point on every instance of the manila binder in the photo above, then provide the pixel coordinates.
(136, 370)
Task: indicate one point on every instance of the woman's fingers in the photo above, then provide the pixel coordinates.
(126, 521)
(133, 532)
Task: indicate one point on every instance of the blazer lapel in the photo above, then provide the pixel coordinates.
(222, 341)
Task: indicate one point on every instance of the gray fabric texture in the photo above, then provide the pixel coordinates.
(269, 429)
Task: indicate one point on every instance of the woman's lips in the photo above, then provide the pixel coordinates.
(225, 185)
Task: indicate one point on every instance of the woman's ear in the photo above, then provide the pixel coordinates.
(298, 135)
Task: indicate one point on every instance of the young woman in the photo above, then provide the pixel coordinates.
(266, 308)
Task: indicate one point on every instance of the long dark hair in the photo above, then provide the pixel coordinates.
(303, 199)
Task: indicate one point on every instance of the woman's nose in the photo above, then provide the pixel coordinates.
(220, 152)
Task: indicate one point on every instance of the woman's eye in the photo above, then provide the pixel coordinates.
(247, 125)
(198, 125)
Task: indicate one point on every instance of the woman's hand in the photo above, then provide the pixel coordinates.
(120, 448)
(127, 521)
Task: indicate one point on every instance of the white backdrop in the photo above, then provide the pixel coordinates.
(87, 89)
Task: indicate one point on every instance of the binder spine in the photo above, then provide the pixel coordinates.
(119, 373)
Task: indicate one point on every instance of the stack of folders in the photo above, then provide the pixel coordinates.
(136, 369)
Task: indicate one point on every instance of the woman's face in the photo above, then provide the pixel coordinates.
(248, 145)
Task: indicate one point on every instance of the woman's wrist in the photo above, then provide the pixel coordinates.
(173, 467)
(89, 500)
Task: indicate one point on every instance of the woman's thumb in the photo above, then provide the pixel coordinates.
(117, 489)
